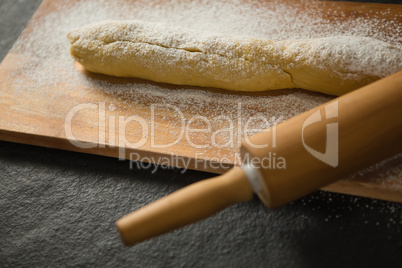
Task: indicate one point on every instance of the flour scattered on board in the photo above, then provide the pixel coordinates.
(48, 64)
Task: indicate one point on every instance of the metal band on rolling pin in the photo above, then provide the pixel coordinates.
(253, 177)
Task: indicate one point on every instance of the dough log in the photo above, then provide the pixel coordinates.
(169, 54)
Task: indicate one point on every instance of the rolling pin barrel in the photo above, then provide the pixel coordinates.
(359, 129)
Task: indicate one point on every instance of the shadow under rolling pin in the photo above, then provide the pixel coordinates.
(360, 128)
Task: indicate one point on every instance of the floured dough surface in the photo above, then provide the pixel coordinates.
(169, 54)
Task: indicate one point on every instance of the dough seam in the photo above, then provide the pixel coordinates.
(290, 76)
(176, 48)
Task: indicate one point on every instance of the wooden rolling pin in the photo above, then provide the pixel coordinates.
(359, 129)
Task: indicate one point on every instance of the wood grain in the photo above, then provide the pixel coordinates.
(38, 117)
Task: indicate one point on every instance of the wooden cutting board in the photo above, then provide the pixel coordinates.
(135, 119)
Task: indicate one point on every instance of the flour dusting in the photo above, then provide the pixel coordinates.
(47, 62)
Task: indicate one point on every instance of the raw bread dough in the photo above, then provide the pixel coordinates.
(165, 53)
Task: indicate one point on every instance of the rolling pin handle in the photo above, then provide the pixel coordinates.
(193, 203)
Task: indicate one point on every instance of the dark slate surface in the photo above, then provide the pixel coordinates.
(58, 208)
